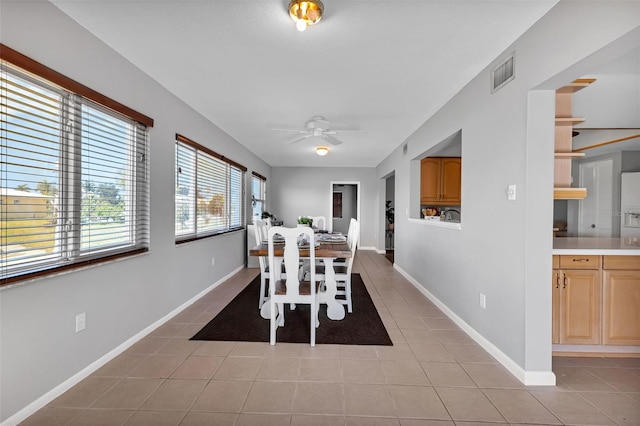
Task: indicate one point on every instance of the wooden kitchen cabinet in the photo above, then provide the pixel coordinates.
(440, 181)
(621, 300)
(576, 300)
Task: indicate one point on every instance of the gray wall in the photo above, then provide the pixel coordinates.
(39, 348)
(297, 191)
(504, 247)
(630, 161)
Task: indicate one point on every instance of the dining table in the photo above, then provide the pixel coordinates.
(327, 251)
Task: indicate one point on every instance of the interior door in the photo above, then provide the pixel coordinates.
(595, 218)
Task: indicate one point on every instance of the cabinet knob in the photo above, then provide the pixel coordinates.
(564, 282)
(593, 225)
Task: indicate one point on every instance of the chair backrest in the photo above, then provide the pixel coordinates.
(261, 237)
(262, 226)
(351, 232)
(354, 243)
(319, 222)
(291, 256)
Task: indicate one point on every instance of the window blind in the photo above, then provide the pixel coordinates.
(73, 185)
(209, 192)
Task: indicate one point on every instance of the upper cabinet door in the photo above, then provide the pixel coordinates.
(440, 179)
(451, 180)
(429, 180)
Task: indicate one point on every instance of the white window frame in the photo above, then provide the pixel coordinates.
(187, 192)
(68, 248)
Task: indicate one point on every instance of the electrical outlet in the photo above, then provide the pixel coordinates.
(213, 261)
(81, 322)
(483, 301)
(511, 192)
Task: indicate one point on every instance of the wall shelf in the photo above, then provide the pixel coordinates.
(576, 85)
(569, 121)
(569, 154)
(569, 193)
(564, 154)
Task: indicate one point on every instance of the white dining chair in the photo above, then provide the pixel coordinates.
(342, 270)
(262, 226)
(261, 236)
(262, 229)
(350, 234)
(291, 289)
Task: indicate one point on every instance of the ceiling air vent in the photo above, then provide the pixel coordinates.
(503, 73)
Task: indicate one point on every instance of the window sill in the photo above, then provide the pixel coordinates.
(216, 234)
(436, 223)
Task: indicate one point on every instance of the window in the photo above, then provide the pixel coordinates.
(258, 195)
(74, 175)
(209, 195)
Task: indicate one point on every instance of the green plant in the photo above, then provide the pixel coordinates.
(303, 220)
(390, 212)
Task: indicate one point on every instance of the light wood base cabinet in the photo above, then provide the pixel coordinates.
(596, 300)
(580, 307)
(621, 300)
(576, 301)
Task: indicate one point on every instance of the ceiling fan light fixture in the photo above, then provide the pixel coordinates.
(322, 150)
(305, 13)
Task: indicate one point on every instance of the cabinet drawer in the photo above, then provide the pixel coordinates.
(556, 261)
(621, 262)
(579, 262)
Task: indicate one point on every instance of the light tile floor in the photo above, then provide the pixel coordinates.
(433, 375)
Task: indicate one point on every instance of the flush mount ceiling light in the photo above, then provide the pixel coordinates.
(305, 13)
(322, 150)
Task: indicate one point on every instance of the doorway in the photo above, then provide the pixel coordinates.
(594, 212)
(389, 207)
(345, 204)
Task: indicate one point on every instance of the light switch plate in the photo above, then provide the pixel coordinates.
(511, 192)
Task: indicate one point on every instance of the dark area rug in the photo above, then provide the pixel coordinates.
(241, 321)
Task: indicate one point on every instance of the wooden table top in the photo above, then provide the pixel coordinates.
(325, 250)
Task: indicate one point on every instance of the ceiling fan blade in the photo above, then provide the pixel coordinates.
(290, 130)
(332, 140)
(301, 138)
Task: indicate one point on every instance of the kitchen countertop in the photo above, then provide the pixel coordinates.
(597, 246)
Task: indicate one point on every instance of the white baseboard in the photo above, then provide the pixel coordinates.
(529, 378)
(39, 403)
(367, 248)
(597, 349)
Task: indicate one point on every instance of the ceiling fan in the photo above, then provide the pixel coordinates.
(318, 127)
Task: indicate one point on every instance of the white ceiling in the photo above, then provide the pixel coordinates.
(383, 67)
